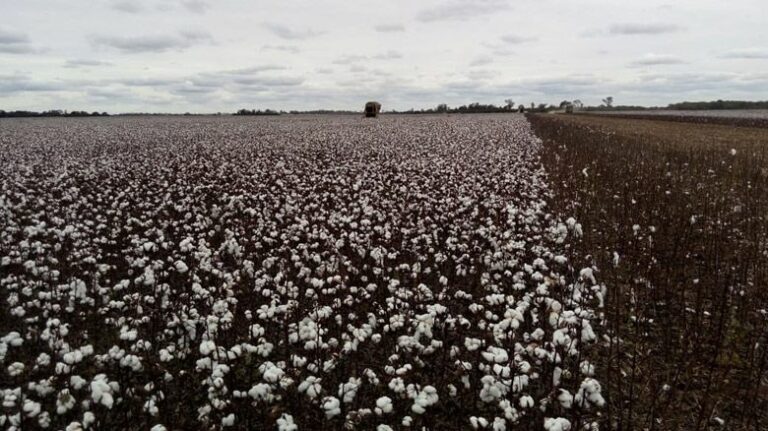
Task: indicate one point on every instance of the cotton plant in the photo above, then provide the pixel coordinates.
(217, 275)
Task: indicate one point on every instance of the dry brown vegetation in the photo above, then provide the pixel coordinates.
(674, 218)
(727, 118)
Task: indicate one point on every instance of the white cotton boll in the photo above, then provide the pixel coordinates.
(348, 390)
(64, 402)
(587, 274)
(495, 354)
(383, 405)
(88, 419)
(77, 382)
(331, 407)
(557, 424)
(499, 424)
(478, 422)
(285, 423)
(472, 344)
(425, 398)
(271, 372)
(384, 427)
(31, 408)
(206, 347)
(407, 421)
(228, 421)
(15, 369)
(44, 420)
(587, 334)
(158, 427)
(397, 385)
(181, 267)
(587, 368)
(565, 399)
(526, 401)
(589, 394)
(311, 386)
(101, 391)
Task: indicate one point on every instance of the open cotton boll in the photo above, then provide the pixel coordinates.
(181, 267)
(285, 423)
(425, 398)
(557, 424)
(383, 405)
(228, 421)
(311, 386)
(331, 407)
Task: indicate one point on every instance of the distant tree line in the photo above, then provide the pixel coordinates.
(258, 112)
(719, 104)
(51, 113)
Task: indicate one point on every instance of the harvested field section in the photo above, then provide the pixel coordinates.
(675, 221)
(739, 118)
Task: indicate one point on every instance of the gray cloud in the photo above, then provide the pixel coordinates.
(389, 55)
(457, 10)
(138, 6)
(15, 43)
(146, 82)
(747, 54)
(284, 48)
(152, 43)
(349, 59)
(389, 28)
(127, 6)
(284, 32)
(21, 84)
(11, 38)
(269, 81)
(86, 63)
(656, 60)
(513, 39)
(17, 49)
(642, 28)
(253, 69)
(196, 6)
(481, 60)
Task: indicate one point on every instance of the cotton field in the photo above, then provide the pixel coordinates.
(290, 274)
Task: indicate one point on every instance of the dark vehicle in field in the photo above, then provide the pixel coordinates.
(372, 109)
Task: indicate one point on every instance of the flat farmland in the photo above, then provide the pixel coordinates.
(675, 220)
(290, 273)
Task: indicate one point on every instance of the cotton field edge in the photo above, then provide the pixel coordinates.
(272, 273)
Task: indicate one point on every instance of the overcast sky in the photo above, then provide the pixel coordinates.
(209, 56)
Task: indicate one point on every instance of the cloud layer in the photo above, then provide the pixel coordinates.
(204, 56)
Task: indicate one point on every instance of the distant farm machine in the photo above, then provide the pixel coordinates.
(372, 109)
